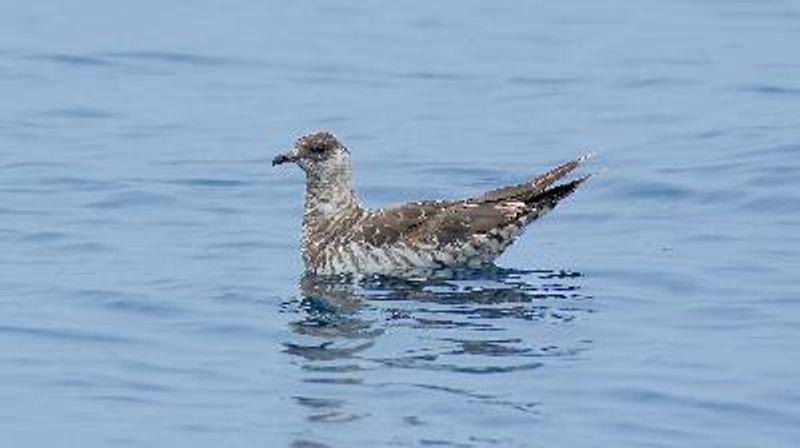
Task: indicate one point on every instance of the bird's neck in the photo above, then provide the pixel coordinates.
(328, 206)
(328, 198)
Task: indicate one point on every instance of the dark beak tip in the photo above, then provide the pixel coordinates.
(279, 160)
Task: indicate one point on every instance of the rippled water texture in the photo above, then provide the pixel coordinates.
(151, 289)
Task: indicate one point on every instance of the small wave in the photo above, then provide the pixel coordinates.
(771, 90)
(208, 182)
(65, 334)
(79, 183)
(172, 57)
(435, 76)
(79, 113)
(132, 199)
(42, 237)
(542, 81)
(128, 303)
(73, 59)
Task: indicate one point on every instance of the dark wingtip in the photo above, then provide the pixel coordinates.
(554, 195)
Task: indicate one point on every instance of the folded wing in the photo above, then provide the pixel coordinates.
(500, 213)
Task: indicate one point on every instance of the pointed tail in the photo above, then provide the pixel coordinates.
(541, 203)
(534, 186)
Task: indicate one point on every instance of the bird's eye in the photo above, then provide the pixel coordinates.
(318, 149)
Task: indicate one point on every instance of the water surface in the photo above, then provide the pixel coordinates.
(152, 291)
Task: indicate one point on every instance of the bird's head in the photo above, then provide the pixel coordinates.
(319, 154)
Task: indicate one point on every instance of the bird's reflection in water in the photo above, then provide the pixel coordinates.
(437, 335)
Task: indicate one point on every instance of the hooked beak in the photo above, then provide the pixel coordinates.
(290, 156)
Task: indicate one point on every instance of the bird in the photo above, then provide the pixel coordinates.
(340, 236)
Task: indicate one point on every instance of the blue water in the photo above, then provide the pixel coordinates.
(151, 289)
